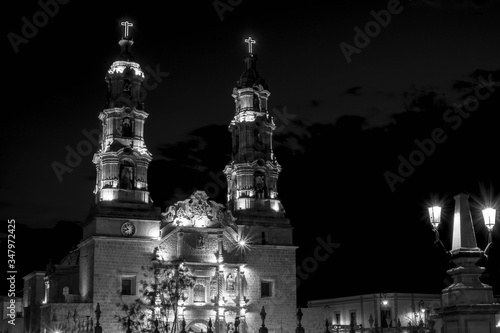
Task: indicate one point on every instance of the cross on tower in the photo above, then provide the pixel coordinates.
(250, 41)
(126, 24)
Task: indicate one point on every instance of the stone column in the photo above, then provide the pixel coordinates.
(220, 302)
(180, 241)
(220, 320)
(468, 304)
(238, 286)
(241, 300)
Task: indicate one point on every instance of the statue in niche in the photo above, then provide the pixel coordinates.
(126, 87)
(258, 143)
(259, 185)
(256, 101)
(200, 242)
(233, 188)
(213, 289)
(230, 283)
(127, 127)
(126, 175)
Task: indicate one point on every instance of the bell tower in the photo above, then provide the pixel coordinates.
(122, 205)
(262, 228)
(253, 172)
(122, 158)
(123, 218)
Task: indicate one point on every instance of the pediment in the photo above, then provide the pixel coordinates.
(199, 212)
(200, 230)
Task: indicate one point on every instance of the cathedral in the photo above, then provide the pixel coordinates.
(239, 254)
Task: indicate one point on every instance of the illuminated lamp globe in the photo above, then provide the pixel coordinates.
(435, 215)
(489, 215)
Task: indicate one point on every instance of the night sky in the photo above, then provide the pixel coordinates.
(348, 117)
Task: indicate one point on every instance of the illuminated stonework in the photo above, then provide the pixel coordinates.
(241, 254)
(253, 172)
(206, 237)
(121, 66)
(198, 211)
(122, 159)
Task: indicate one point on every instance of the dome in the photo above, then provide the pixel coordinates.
(126, 45)
(250, 77)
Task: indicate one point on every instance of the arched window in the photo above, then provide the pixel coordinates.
(127, 127)
(199, 294)
(126, 175)
(260, 185)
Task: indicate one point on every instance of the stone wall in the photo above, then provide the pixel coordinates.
(115, 258)
(277, 265)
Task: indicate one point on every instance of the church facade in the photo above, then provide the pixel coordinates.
(240, 254)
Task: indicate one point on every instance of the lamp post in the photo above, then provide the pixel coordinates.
(421, 311)
(435, 219)
(489, 215)
(467, 297)
(383, 303)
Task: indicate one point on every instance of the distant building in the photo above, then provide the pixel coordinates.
(382, 311)
(33, 298)
(242, 255)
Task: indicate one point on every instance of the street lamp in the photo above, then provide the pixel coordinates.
(435, 219)
(421, 310)
(467, 290)
(435, 216)
(489, 215)
(383, 303)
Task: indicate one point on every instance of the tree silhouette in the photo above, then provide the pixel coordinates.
(163, 289)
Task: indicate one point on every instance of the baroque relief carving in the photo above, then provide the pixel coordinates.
(197, 211)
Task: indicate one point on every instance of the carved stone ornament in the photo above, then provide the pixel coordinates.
(197, 211)
(200, 241)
